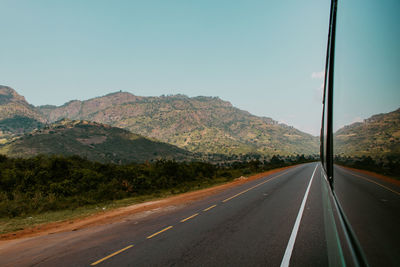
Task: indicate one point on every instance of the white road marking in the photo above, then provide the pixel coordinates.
(288, 252)
(369, 180)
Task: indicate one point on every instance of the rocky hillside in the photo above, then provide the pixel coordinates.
(95, 141)
(17, 116)
(377, 136)
(12, 104)
(198, 124)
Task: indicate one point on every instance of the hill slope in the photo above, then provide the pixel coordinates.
(12, 104)
(97, 142)
(16, 115)
(198, 124)
(377, 136)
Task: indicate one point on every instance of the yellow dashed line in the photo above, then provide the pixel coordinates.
(111, 255)
(207, 209)
(159, 232)
(240, 193)
(257, 185)
(190, 217)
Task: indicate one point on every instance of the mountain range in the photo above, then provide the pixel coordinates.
(376, 136)
(197, 124)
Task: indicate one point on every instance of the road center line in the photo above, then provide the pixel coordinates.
(211, 207)
(288, 252)
(111, 255)
(257, 185)
(159, 232)
(190, 217)
(369, 180)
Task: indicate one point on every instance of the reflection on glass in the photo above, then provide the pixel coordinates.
(373, 144)
(367, 125)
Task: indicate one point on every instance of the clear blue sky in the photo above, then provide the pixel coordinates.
(262, 56)
(367, 69)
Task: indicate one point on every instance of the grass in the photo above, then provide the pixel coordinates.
(8, 225)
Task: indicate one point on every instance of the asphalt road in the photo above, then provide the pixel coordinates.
(372, 207)
(273, 221)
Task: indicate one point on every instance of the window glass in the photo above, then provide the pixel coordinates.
(366, 125)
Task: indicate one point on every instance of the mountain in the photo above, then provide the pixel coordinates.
(376, 136)
(95, 141)
(12, 104)
(17, 116)
(198, 124)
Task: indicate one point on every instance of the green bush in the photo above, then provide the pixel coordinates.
(49, 183)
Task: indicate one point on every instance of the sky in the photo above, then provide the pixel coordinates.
(266, 57)
(367, 63)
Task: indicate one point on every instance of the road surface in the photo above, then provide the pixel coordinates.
(372, 207)
(278, 220)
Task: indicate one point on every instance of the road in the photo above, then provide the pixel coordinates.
(372, 207)
(278, 220)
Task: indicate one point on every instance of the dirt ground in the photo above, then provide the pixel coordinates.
(118, 214)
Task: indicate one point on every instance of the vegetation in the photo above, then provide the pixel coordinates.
(19, 125)
(51, 183)
(95, 141)
(386, 165)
